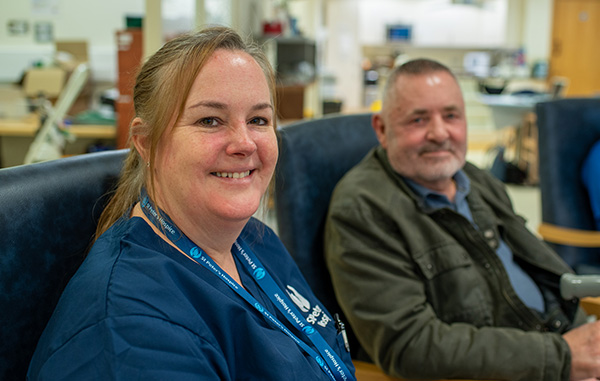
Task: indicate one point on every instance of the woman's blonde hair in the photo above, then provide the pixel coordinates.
(159, 96)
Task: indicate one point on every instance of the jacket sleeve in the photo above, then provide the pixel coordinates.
(384, 299)
(132, 348)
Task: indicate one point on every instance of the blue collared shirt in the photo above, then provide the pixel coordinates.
(524, 286)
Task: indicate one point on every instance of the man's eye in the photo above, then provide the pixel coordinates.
(208, 122)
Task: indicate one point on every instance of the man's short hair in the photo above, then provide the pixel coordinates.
(414, 67)
(421, 66)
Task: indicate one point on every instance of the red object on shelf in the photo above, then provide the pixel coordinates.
(272, 28)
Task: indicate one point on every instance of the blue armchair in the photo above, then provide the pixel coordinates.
(313, 156)
(49, 215)
(567, 130)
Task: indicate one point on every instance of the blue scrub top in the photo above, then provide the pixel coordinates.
(139, 309)
(590, 175)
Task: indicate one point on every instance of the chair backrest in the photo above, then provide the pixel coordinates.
(567, 129)
(313, 156)
(48, 216)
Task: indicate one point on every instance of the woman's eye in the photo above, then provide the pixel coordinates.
(208, 122)
(259, 121)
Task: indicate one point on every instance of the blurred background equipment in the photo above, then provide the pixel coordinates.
(50, 139)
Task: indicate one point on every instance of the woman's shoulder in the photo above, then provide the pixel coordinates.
(125, 267)
(261, 237)
(126, 277)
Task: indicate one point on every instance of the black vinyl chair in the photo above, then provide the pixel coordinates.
(48, 216)
(313, 156)
(567, 129)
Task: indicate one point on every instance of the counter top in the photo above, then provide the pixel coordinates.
(28, 126)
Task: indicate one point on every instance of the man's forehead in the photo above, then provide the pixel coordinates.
(430, 78)
(433, 79)
(424, 109)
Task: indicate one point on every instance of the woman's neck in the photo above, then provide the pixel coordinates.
(218, 248)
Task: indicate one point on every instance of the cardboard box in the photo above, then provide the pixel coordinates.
(48, 81)
(69, 54)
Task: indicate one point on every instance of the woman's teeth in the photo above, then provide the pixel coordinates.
(234, 175)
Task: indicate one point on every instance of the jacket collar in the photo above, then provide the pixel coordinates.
(421, 195)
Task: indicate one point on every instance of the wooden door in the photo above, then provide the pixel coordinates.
(576, 46)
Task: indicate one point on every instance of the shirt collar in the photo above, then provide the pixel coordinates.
(437, 200)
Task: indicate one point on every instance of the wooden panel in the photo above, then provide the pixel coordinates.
(129, 57)
(125, 113)
(290, 102)
(370, 372)
(575, 54)
(130, 45)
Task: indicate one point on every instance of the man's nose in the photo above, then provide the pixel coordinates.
(437, 129)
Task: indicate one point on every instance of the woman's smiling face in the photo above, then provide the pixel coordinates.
(217, 161)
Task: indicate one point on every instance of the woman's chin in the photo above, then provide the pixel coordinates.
(239, 213)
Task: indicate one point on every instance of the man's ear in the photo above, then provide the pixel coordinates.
(140, 139)
(379, 127)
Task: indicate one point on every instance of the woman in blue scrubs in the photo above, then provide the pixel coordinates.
(182, 283)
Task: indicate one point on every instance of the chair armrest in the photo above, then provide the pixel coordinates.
(370, 372)
(591, 305)
(568, 236)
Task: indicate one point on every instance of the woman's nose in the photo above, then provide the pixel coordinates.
(240, 140)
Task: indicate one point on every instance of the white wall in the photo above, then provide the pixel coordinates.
(537, 29)
(342, 56)
(529, 26)
(94, 21)
(352, 24)
(436, 22)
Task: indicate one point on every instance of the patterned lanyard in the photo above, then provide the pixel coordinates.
(327, 358)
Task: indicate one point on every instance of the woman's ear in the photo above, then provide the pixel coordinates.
(140, 138)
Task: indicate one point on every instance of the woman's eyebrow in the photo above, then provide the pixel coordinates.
(209, 104)
(262, 106)
(223, 106)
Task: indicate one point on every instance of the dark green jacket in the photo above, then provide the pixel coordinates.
(425, 292)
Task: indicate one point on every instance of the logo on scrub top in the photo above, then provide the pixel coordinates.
(259, 273)
(298, 299)
(195, 252)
